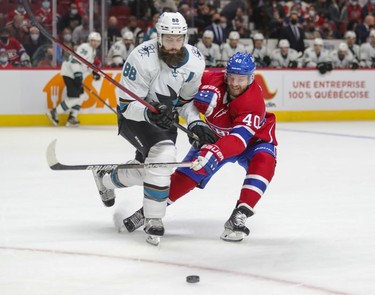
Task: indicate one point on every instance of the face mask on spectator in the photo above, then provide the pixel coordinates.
(223, 25)
(46, 4)
(293, 21)
(20, 9)
(34, 37)
(74, 11)
(3, 60)
(68, 37)
(4, 40)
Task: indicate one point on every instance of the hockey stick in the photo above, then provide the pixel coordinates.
(54, 163)
(98, 97)
(97, 70)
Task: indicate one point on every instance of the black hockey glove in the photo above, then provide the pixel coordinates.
(267, 60)
(205, 134)
(329, 66)
(293, 64)
(355, 65)
(78, 78)
(322, 67)
(96, 76)
(164, 119)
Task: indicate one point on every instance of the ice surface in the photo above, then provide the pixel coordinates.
(313, 231)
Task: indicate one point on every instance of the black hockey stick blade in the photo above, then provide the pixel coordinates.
(54, 163)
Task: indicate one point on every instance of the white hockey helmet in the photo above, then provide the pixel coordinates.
(284, 43)
(318, 41)
(258, 36)
(372, 33)
(94, 36)
(234, 35)
(350, 34)
(128, 35)
(208, 34)
(172, 23)
(343, 47)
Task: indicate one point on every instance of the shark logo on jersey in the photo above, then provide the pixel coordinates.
(196, 52)
(168, 100)
(146, 50)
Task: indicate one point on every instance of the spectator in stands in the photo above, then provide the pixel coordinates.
(12, 46)
(277, 31)
(20, 10)
(133, 27)
(188, 13)
(151, 28)
(81, 32)
(18, 28)
(285, 57)
(227, 27)
(61, 54)
(120, 51)
(210, 50)
(354, 12)
(165, 5)
(46, 60)
(204, 18)
(327, 32)
(350, 37)
(230, 10)
(117, 2)
(367, 52)
(232, 46)
(317, 57)
(44, 15)
(363, 30)
(239, 26)
(321, 7)
(294, 34)
(216, 29)
(311, 31)
(71, 19)
(334, 12)
(113, 32)
(368, 8)
(274, 12)
(4, 64)
(259, 51)
(34, 41)
(343, 58)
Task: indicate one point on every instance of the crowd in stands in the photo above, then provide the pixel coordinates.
(217, 28)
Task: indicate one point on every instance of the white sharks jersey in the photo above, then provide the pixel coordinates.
(72, 65)
(228, 51)
(311, 59)
(151, 79)
(280, 61)
(367, 55)
(212, 54)
(346, 62)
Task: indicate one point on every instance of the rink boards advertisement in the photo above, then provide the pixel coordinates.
(294, 95)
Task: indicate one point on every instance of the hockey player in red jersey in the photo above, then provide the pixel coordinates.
(234, 108)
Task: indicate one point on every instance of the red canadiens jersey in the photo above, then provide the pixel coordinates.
(241, 122)
(14, 50)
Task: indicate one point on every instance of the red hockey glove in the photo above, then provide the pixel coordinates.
(209, 157)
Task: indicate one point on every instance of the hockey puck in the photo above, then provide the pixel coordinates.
(192, 279)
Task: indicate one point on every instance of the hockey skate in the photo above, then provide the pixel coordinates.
(235, 229)
(72, 121)
(53, 117)
(134, 221)
(107, 195)
(155, 229)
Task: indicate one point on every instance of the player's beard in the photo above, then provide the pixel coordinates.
(172, 59)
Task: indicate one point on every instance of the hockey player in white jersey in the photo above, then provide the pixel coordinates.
(73, 72)
(285, 57)
(210, 50)
(259, 51)
(367, 52)
(317, 57)
(166, 72)
(120, 51)
(350, 37)
(342, 58)
(232, 46)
